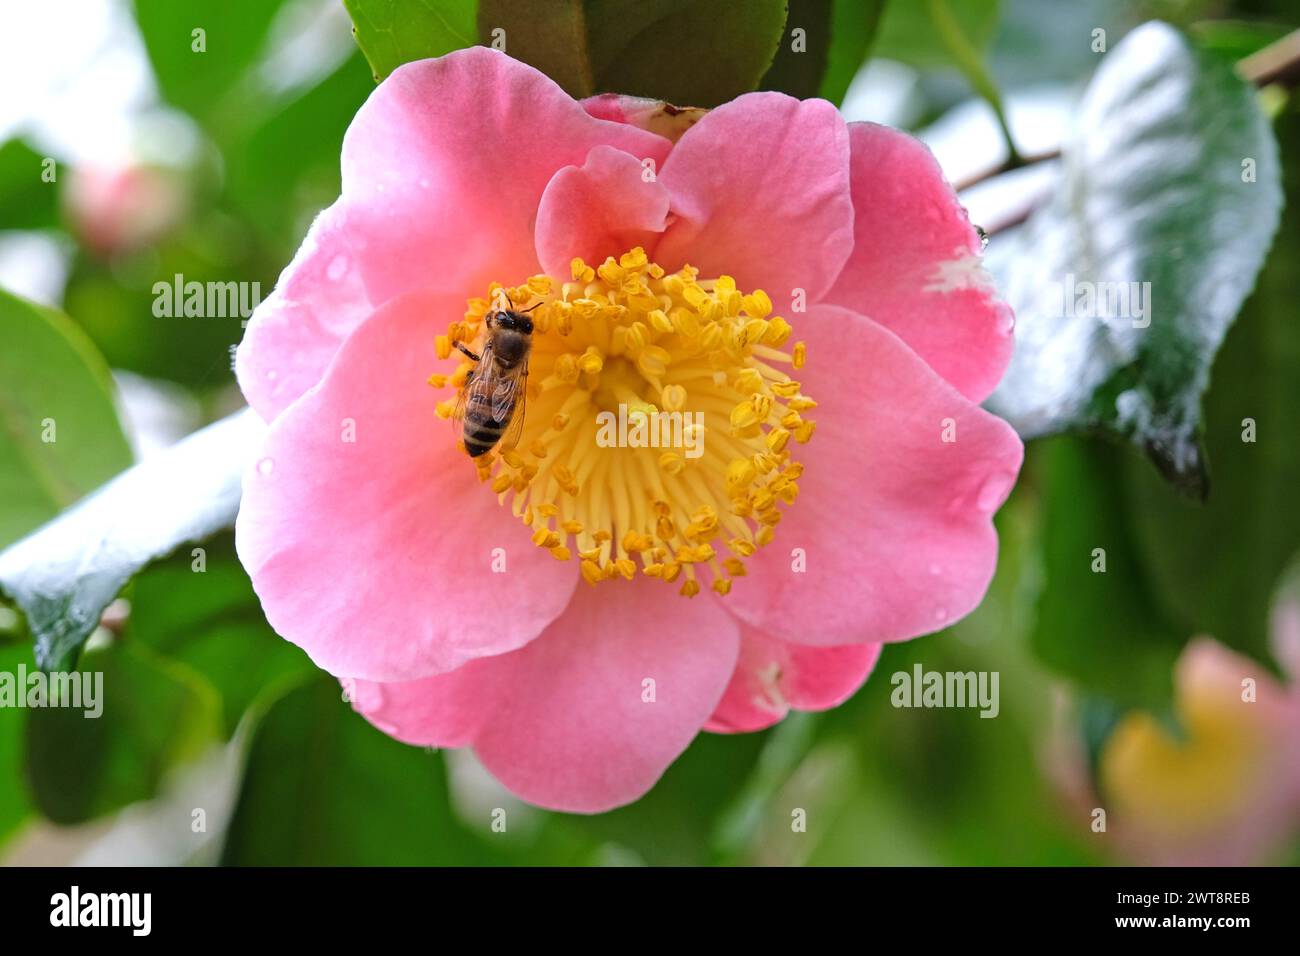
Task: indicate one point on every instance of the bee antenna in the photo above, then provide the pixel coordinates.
(531, 307)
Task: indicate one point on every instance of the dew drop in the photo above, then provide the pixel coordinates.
(265, 466)
(272, 375)
(941, 614)
(936, 570)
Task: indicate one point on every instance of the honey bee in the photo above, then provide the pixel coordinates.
(491, 405)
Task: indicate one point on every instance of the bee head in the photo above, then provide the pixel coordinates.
(511, 320)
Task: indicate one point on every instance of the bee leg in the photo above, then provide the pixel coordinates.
(467, 351)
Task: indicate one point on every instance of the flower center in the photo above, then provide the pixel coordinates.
(658, 422)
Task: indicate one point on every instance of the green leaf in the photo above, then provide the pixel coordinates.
(393, 32)
(26, 200)
(687, 52)
(59, 431)
(156, 716)
(1217, 564)
(1152, 190)
(205, 83)
(198, 607)
(907, 32)
(65, 574)
(15, 802)
(322, 787)
(1098, 627)
(804, 51)
(1237, 39)
(854, 27)
(824, 44)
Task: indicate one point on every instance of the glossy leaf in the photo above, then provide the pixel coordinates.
(1216, 565)
(1167, 204)
(393, 32)
(65, 574)
(687, 52)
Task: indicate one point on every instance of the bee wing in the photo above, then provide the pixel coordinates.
(478, 382)
(518, 392)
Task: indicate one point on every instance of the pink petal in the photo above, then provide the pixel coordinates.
(443, 168)
(319, 298)
(760, 187)
(895, 523)
(572, 729)
(445, 710)
(915, 266)
(603, 208)
(375, 556)
(773, 676)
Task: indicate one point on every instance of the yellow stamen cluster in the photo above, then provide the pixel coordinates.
(626, 333)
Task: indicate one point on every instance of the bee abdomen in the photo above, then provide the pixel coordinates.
(481, 434)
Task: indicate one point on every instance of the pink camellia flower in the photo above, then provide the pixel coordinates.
(577, 608)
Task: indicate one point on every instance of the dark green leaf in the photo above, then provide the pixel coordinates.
(824, 44)
(156, 716)
(804, 50)
(322, 787)
(59, 432)
(1153, 190)
(393, 32)
(1217, 564)
(65, 574)
(1098, 627)
(687, 52)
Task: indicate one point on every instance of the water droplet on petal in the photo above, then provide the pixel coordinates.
(337, 268)
(272, 375)
(941, 614)
(265, 466)
(936, 570)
